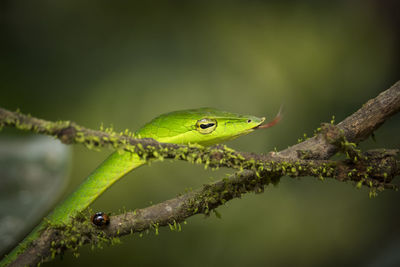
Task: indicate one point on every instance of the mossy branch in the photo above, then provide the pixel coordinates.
(374, 169)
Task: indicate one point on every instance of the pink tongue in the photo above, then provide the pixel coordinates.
(271, 123)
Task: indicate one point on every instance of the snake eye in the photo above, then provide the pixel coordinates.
(248, 121)
(206, 126)
(100, 219)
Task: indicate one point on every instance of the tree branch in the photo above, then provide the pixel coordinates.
(374, 169)
(356, 128)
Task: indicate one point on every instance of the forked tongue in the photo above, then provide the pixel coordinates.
(277, 118)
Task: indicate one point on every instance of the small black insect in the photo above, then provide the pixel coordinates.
(100, 219)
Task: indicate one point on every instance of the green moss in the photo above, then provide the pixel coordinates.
(75, 234)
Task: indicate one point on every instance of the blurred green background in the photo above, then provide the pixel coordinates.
(122, 64)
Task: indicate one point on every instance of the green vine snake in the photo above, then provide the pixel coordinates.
(204, 126)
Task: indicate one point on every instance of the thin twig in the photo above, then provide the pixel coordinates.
(375, 169)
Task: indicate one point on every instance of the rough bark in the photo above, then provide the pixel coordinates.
(375, 169)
